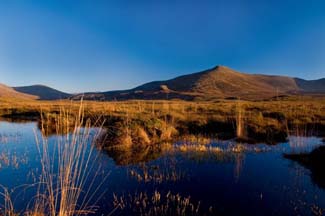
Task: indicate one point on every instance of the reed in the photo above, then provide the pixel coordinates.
(158, 204)
(240, 127)
(66, 170)
(66, 185)
(7, 209)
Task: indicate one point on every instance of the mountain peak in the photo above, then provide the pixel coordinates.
(222, 69)
(215, 83)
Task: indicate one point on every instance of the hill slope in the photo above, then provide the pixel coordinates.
(42, 92)
(8, 92)
(311, 86)
(218, 82)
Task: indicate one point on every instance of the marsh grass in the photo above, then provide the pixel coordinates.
(12, 159)
(68, 182)
(251, 121)
(168, 171)
(157, 203)
(6, 138)
(7, 209)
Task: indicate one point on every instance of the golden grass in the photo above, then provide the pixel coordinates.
(158, 204)
(265, 120)
(292, 107)
(66, 166)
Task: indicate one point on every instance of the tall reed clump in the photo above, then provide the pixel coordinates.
(67, 166)
(240, 127)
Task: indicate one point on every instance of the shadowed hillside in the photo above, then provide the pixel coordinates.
(43, 92)
(312, 86)
(216, 83)
(8, 92)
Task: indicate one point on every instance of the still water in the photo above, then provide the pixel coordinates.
(216, 178)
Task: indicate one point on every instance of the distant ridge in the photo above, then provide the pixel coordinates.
(219, 82)
(215, 83)
(8, 92)
(43, 92)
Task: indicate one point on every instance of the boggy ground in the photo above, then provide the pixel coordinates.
(150, 122)
(314, 161)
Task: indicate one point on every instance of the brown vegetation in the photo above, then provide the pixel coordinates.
(149, 122)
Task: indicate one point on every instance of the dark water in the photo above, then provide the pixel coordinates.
(221, 177)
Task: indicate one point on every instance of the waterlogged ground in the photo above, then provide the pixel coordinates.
(200, 177)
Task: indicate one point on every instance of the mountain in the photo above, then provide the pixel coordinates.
(42, 92)
(8, 92)
(311, 85)
(215, 83)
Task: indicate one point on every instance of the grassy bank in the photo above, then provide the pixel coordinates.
(147, 122)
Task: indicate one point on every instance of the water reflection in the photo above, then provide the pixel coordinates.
(212, 151)
(239, 164)
(135, 154)
(166, 171)
(314, 161)
(225, 176)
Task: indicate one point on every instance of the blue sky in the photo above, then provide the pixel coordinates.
(104, 45)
